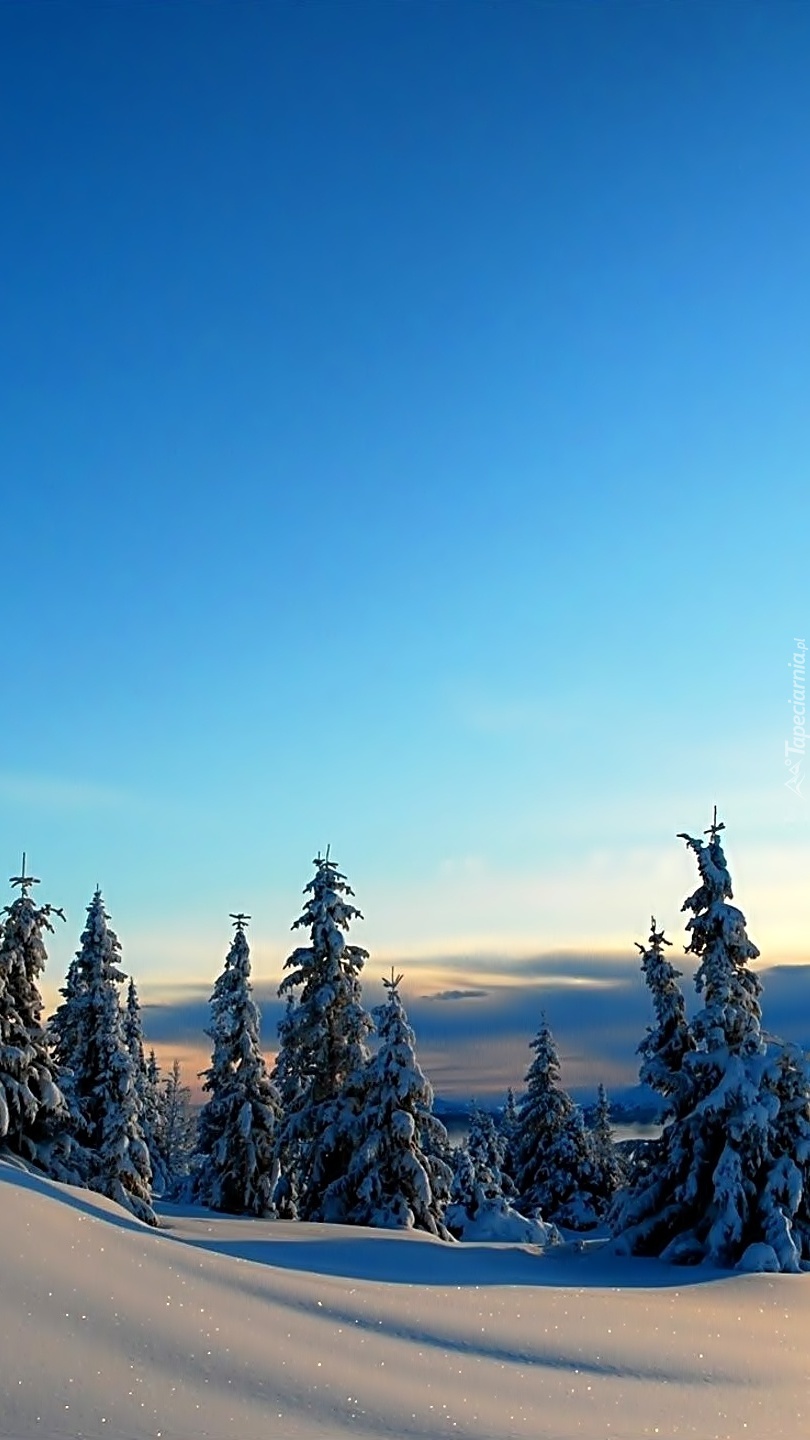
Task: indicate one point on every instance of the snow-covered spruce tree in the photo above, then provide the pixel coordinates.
(487, 1149)
(177, 1132)
(89, 1031)
(479, 1208)
(146, 1087)
(33, 1112)
(553, 1157)
(393, 1180)
(667, 1043)
(663, 1050)
(789, 1179)
(323, 1046)
(607, 1165)
(133, 1034)
(63, 1038)
(465, 1200)
(476, 1186)
(237, 1127)
(727, 1191)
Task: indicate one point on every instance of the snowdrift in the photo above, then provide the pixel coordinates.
(220, 1329)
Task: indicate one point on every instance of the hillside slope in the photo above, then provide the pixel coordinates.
(219, 1329)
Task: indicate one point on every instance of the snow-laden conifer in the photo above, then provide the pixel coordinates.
(608, 1172)
(486, 1145)
(237, 1126)
(481, 1204)
(177, 1129)
(323, 1043)
(788, 1184)
(147, 1082)
(393, 1180)
(647, 1192)
(477, 1184)
(554, 1172)
(468, 1198)
(725, 1189)
(33, 1111)
(63, 1037)
(667, 1043)
(173, 1129)
(104, 1086)
(133, 1034)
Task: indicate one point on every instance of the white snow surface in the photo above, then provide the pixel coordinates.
(223, 1329)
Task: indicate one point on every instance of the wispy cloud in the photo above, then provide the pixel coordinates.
(458, 995)
(596, 898)
(598, 1020)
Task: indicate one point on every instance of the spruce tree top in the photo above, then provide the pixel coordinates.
(327, 915)
(32, 1107)
(133, 1028)
(100, 950)
(22, 952)
(731, 1015)
(25, 882)
(234, 1012)
(545, 1106)
(394, 1066)
(545, 1067)
(663, 1047)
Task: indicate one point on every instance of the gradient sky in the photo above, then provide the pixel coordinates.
(404, 417)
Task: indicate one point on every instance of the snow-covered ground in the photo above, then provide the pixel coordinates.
(221, 1329)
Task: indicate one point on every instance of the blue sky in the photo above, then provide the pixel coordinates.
(405, 442)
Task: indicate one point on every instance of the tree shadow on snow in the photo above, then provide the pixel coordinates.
(413, 1259)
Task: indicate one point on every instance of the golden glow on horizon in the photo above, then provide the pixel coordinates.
(600, 908)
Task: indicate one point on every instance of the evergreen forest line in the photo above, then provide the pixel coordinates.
(342, 1129)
